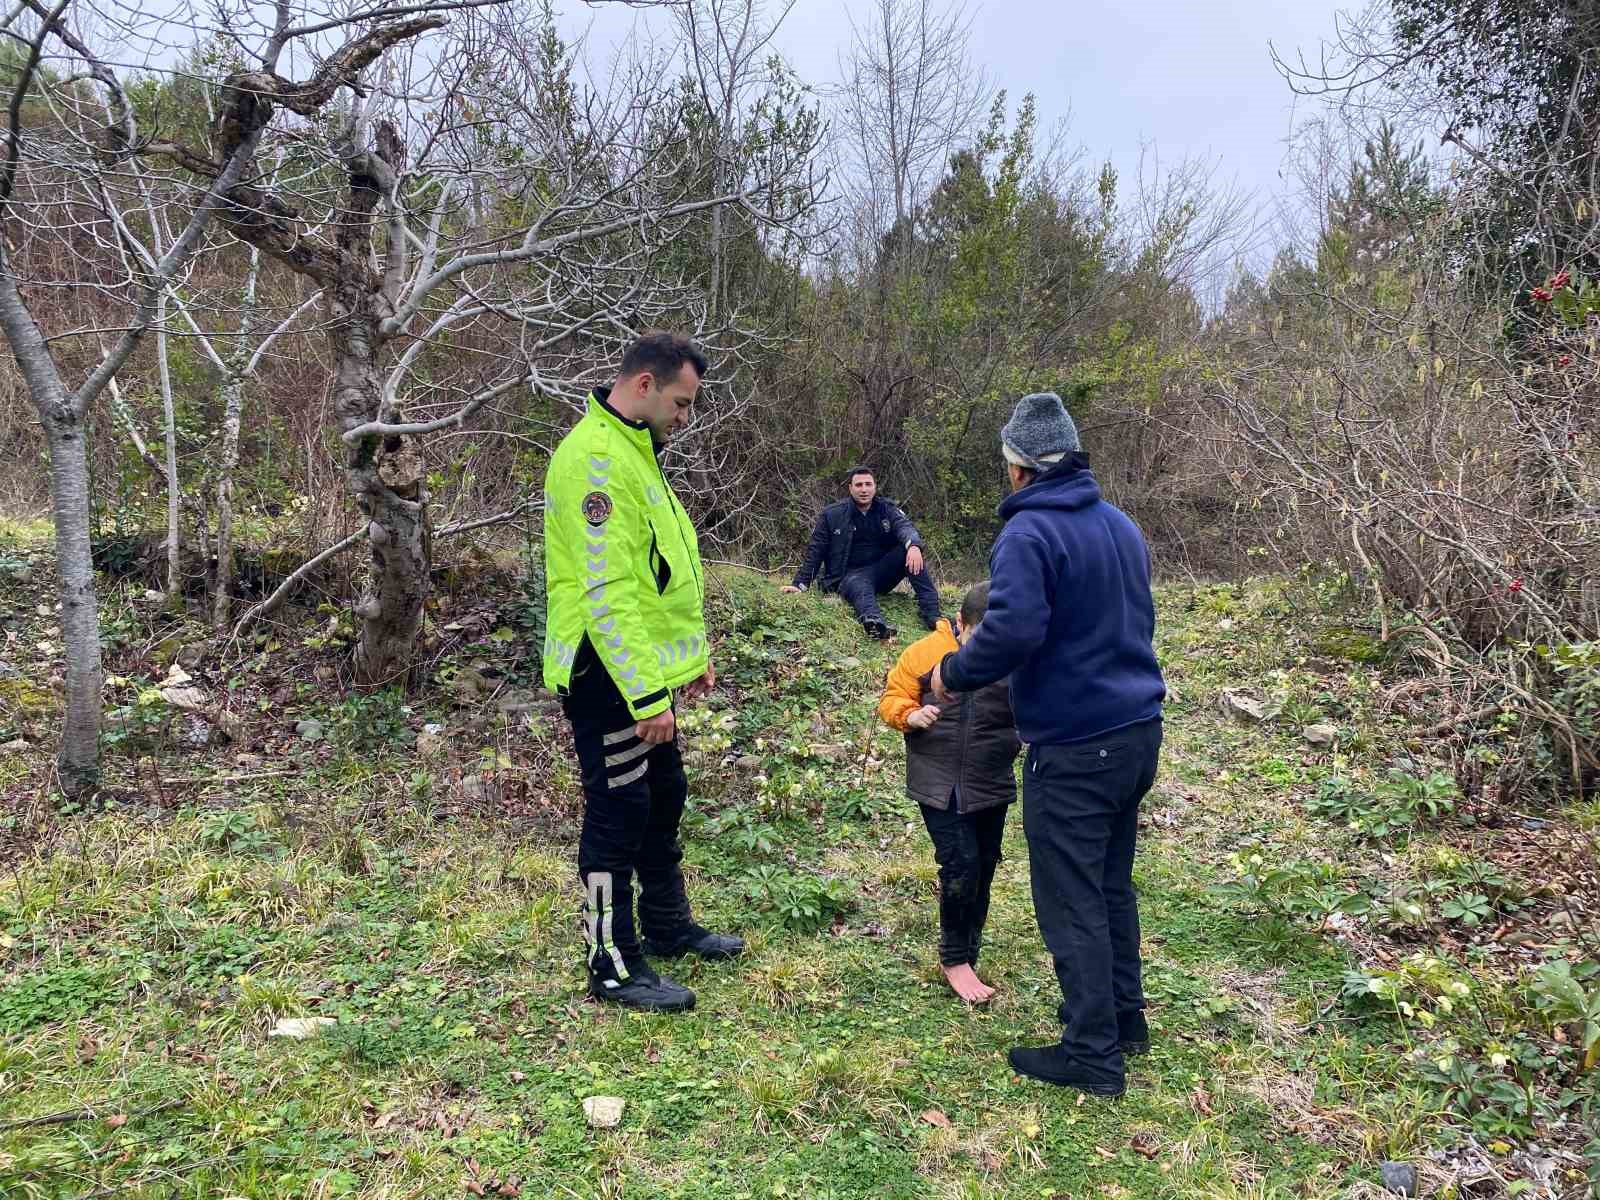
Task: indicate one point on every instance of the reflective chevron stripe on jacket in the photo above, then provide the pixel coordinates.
(622, 564)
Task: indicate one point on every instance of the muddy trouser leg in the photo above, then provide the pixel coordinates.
(857, 591)
(990, 826)
(955, 849)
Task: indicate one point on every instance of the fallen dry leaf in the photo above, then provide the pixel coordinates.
(1104, 1153)
(118, 1121)
(508, 1188)
(383, 1121)
(1145, 1143)
(476, 1188)
(934, 1117)
(516, 1076)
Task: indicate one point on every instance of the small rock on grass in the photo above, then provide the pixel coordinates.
(1400, 1178)
(604, 1112)
(1320, 735)
(300, 1027)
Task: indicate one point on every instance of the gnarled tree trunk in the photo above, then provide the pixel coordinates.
(385, 475)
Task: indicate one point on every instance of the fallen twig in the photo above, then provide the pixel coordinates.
(67, 1116)
(1469, 718)
(231, 778)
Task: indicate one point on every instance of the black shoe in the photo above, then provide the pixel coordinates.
(1054, 1065)
(1133, 1032)
(930, 622)
(696, 939)
(881, 630)
(645, 991)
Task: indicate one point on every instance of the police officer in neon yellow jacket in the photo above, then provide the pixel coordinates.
(625, 628)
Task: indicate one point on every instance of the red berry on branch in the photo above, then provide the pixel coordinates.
(1514, 586)
(1540, 294)
(1564, 361)
(1561, 280)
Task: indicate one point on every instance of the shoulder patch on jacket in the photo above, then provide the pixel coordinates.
(596, 508)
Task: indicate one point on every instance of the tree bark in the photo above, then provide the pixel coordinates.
(79, 758)
(227, 463)
(386, 477)
(228, 459)
(169, 414)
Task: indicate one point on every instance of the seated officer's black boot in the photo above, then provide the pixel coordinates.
(696, 939)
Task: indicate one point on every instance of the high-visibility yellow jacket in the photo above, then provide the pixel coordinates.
(622, 563)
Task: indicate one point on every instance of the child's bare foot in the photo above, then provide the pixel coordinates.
(966, 983)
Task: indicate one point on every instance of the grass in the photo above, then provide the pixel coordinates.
(427, 904)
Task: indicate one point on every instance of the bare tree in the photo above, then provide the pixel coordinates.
(910, 96)
(725, 43)
(495, 228)
(71, 131)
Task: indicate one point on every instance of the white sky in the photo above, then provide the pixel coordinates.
(1183, 77)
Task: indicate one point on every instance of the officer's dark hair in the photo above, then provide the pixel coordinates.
(854, 471)
(974, 604)
(662, 354)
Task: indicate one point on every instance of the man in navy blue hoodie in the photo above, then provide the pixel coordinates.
(1071, 619)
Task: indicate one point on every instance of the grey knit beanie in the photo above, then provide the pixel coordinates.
(1040, 431)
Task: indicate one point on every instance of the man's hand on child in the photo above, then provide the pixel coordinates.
(936, 685)
(924, 717)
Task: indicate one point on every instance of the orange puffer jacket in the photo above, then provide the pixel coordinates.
(969, 750)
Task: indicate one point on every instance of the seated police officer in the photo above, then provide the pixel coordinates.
(862, 547)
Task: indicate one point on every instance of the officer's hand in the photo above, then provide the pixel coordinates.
(924, 717)
(657, 729)
(790, 588)
(696, 688)
(936, 685)
(913, 560)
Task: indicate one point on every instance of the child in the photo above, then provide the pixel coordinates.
(959, 770)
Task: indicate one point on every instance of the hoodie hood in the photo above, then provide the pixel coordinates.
(1068, 484)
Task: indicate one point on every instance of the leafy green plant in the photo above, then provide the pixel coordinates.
(136, 728)
(1398, 804)
(52, 994)
(1568, 993)
(1432, 795)
(858, 804)
(368, 724)
(800, 902)
(1469, 908)
(235, 831)
(1292, 888)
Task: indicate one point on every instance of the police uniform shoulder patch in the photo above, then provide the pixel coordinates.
(886, 524)
(596, 508)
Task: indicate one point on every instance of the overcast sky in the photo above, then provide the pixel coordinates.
(1187, 77)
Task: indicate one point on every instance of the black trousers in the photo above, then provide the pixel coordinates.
(862, 586)
(633, 798)
(967, 848)
(1081, 816)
